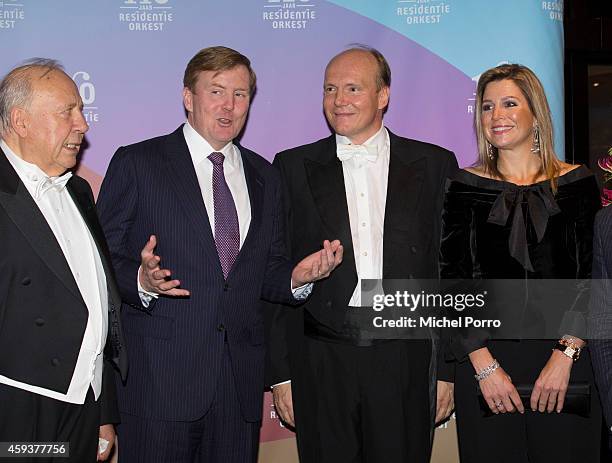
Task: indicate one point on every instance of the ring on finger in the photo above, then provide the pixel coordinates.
(499, 404)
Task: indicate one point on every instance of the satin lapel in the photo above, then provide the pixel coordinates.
(88, 212)
(326, 181)
(256, 185)
(25, 214)
(180, 174)
(406, 177)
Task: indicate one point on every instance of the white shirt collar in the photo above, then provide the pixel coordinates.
(379, 139)
(200, 149)
(38, 181)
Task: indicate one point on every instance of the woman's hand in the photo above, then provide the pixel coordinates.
(500, 393)
(497, 388)
(550, 387)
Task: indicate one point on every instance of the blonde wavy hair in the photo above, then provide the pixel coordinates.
(533, 91)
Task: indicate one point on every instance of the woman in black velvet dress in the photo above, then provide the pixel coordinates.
(520, 213)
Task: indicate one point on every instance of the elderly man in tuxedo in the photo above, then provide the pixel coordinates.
(357, 399)
(210, 210)
(59, 309)
(600, 313)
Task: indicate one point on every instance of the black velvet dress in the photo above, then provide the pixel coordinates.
(497, 230)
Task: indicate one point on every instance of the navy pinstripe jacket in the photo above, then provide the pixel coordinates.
(176, 345)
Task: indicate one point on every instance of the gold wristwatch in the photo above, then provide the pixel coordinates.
(569, 348)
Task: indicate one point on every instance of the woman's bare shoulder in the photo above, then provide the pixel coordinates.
(564, 167)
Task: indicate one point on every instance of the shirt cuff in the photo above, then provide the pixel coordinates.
(278, 384)
(302, 292)
(145, 296)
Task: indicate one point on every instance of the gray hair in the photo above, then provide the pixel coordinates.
(16, 87)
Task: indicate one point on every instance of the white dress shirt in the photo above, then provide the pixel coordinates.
(365, 181)
(366, 175)
(81, 253)
(233, 170)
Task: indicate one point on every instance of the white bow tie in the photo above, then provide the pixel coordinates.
(49, 183)
(345, 152)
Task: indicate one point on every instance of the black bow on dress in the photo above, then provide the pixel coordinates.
(540, 205)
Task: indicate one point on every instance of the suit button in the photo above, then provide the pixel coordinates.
(55, 362)
(413, 249)
(221, 327)
(39, 321)
(328, 304)
(226, 287)
(26, 281)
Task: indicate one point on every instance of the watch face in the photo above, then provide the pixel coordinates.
(570, 352)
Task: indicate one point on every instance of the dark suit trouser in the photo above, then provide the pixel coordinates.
(29, 417)
(371, 403)
(220, 436)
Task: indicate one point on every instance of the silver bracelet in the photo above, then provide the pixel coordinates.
(487, 371)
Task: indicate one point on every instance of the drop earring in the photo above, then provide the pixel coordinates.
(490, 151)
(535, 149)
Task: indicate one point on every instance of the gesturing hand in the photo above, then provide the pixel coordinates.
(317, 265)
(152, 277)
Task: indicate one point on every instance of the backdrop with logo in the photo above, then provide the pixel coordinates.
(128, 57)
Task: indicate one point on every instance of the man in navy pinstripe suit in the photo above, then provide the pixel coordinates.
(600, 316)
(209, 209)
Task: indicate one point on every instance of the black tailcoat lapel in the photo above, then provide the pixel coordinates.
(406, 177)
(23, 211)
(326, 181)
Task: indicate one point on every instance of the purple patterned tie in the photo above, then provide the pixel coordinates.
(227, 231)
